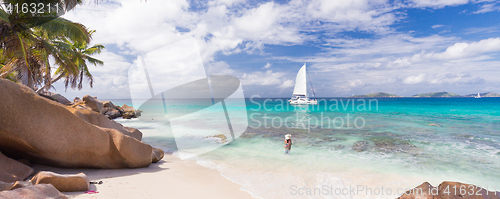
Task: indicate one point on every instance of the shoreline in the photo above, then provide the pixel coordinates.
(171, 177)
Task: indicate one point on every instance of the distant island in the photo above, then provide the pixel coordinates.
(432, 94)
(376, 95)
(437, 94)
(487, 94)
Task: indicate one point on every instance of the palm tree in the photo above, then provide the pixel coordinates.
(28, 40)
(79, 53)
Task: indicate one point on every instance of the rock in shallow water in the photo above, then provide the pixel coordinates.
(129, 112)
(112, 113)
(436, 125)
(221, 138)
(391, 144)
(360, 146)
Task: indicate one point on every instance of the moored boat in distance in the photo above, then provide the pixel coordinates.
(478, 96)
(299, 96)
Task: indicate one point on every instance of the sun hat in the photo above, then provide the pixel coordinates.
(288, 136)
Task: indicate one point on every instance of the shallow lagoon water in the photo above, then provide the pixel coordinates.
(403, 142)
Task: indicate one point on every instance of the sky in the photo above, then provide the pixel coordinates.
(350, 47)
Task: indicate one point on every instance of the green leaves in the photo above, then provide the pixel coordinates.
(73, 31)
(29, 40)
(4, 17)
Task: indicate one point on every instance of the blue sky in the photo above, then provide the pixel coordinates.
(351, 47)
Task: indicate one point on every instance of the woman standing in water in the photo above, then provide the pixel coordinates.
(288, 143)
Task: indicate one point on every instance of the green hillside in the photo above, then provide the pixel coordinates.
(437, 94)
(376, 95)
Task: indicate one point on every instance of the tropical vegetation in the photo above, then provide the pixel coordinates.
(437, 94)
(35, 47)
(376, 95)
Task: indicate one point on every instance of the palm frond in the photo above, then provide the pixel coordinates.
(4, 17)
(71, 30)
(94, 49)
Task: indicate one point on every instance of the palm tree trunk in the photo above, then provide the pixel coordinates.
(51, 82)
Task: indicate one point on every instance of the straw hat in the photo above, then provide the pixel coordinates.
(288, 136)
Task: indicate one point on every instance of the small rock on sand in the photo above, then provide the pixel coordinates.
(63, 183)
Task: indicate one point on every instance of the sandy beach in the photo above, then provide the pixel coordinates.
(169, 178)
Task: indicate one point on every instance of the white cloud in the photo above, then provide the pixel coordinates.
(110, 80)
(264, 79)
(392, 44)
(372, 16)
(231, 26)
(438, 3)
(448, 78)
(437, 26)
(357, 83)
(488, 7)
(401, 62)
(219, 68)
(287, 84)
(414, 79)
(462, 50)
(140, 32)
(228, 3)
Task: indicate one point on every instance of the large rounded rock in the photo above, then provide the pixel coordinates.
(129, 112)
(77, 100)
(423, 191)
(157, 155)
(108, 104)
(54, 96)
(93, 103)
(41, 191)
(127, 108)
(12, 170)
(134, 132)
(112, 113)
(13, 185)
(63, 183)
(130, 151)
(45, 132)
(102, 121)
(449, 190)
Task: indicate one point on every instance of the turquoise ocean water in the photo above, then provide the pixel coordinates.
(379, 147)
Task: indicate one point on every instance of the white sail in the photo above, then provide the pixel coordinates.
(301, 82)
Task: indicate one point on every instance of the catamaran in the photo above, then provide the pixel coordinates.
(299, 96)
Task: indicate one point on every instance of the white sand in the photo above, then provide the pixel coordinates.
(169, 178)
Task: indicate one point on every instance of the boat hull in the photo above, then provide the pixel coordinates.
(303, 102)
